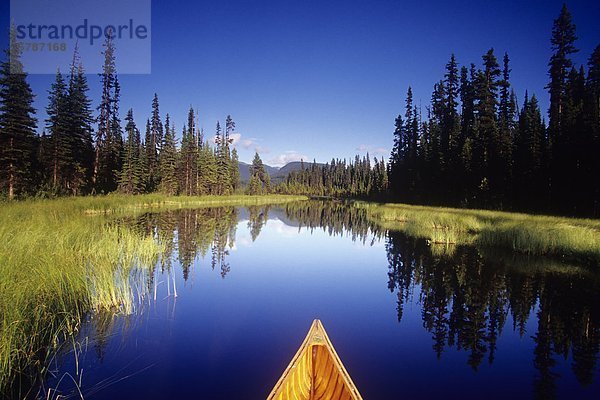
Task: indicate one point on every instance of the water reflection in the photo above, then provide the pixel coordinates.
(189, 233)
(466, 295)
(466, 299)
(337, 218)
(469, 299)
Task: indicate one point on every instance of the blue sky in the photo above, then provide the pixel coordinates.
(323, 79)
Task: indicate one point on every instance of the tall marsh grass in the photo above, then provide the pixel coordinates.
(568, 238)
(62, 259)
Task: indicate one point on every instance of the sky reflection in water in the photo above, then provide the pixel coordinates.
(407, 323)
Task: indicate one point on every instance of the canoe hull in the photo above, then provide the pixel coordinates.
(316, 372)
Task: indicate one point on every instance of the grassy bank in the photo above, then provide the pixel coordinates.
(61, 259)
(573, 239)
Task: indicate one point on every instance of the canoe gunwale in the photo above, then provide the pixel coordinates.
(317, 336)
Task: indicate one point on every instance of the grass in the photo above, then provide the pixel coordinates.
(62, 259)
(567, 238)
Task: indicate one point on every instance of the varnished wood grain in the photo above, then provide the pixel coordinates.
(315, 372)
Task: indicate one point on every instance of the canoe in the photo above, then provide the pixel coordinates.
(315, 372)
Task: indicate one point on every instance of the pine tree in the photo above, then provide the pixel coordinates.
(79, 122)
(131, 175)
(467, 96)
(188, 172)
(208, 169)
(235, 170)
(17, 125)
(260, 182)
(108, 141)
(153, 143)
(563, 39)
(451, 140)
(395, 165)
(592, 113)
(506, 128)
(222, 142)
(168, 161)
(488, 138)
(530, 185)
(57, 126)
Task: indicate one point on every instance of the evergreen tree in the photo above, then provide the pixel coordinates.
(131, 179)
(234, 170)
(488, 138)
(153, 143)
(188, 172)
(108, 143)
(451, 140)
(56, 124)
(592, 127)
(506, 131)
(79, 127)
(563, 45)
(17, 125)
(467, 185)
(208, 170)
(530, 185)
(260, 182)
(168, 161)
(397, 156)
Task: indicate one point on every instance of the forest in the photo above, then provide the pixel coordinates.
(473, 145)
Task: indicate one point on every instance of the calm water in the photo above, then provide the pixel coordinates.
(408, 321)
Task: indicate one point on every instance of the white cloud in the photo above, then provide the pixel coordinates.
(247, 143)
(234, 137)
(381, 150)
(373, 150)
(287, 157)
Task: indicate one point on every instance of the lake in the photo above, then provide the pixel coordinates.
(227, 306)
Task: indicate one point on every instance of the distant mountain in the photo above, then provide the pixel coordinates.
(245, 171)
(293, 166)
(275, 173)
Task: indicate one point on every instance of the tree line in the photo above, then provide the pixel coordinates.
(476, 147)
(80, 154)
(358, 178)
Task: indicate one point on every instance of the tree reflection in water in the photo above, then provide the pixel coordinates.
(188, 233)
(467, 296)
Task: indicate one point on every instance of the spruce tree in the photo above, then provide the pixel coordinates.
(506, 131)
(17, 125)
(488, 137)
(260, 181)
(451, 140)
(168, 161)
(234, 169)
(563, 45)
(108, 141)
(530, 185)
(79, 127)
(396, 162)
(208, 169)
(188, 172)
(592, 113)
(152, 145)
(57, 126)
(222, 141)
(130, 178)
